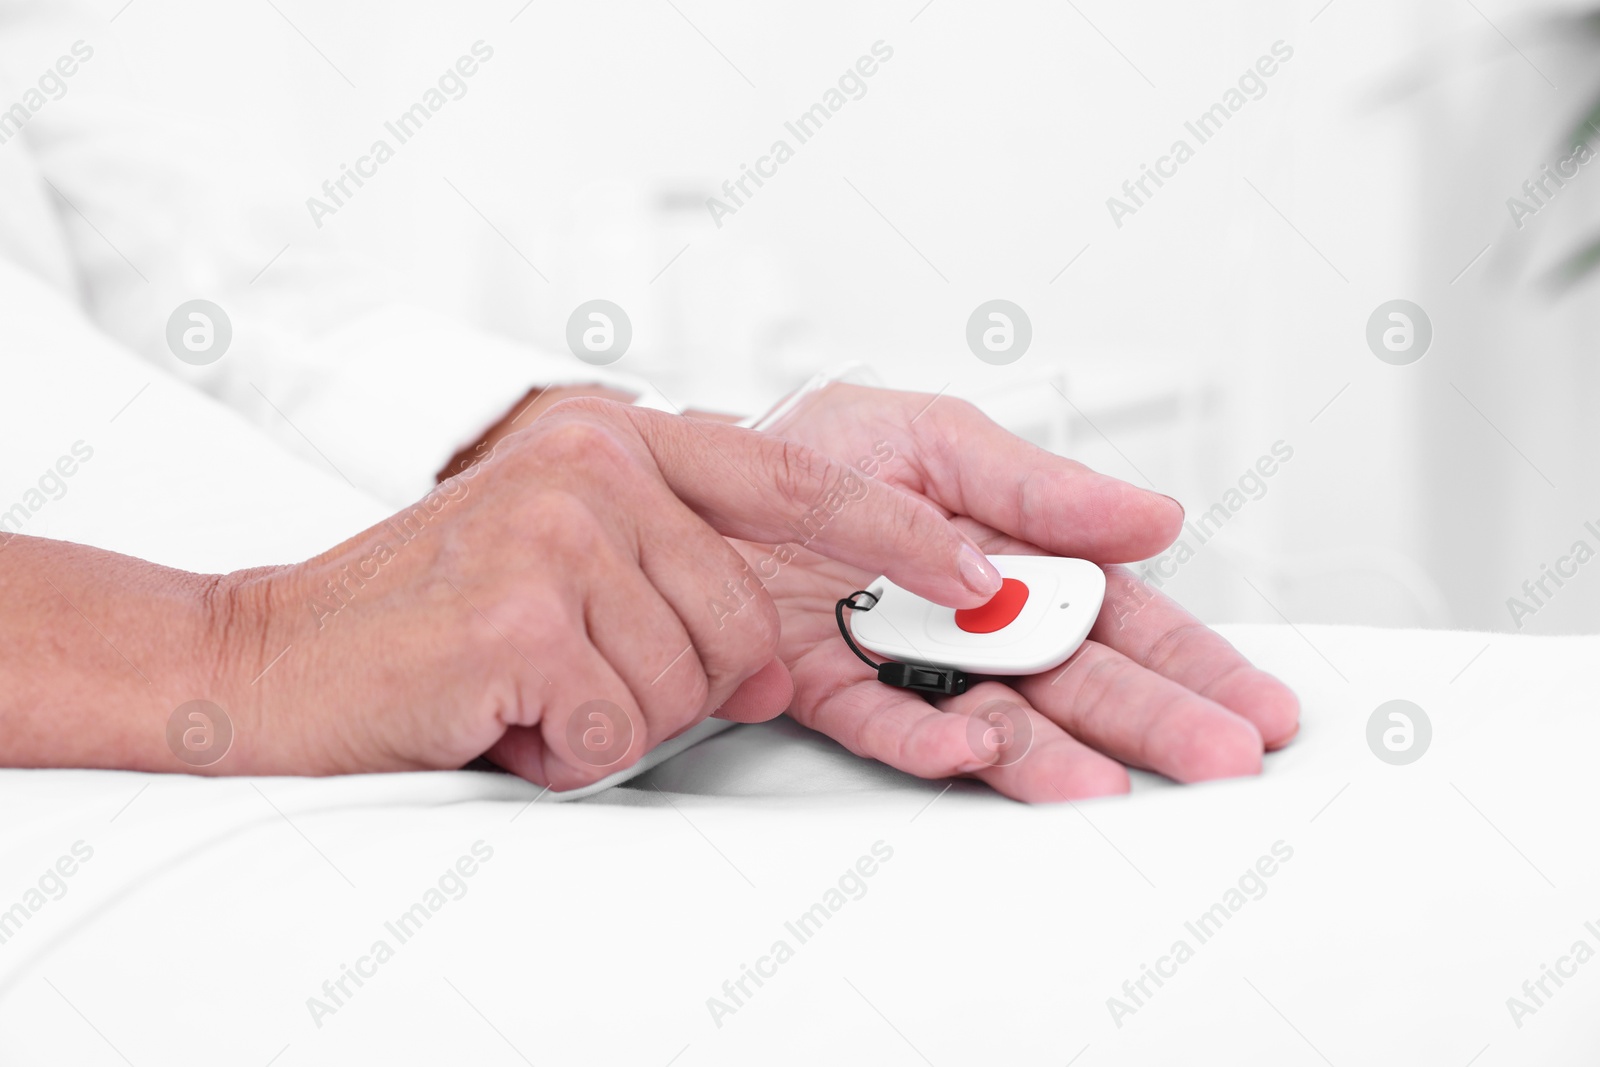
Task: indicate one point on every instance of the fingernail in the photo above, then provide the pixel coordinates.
(978, 573)
(1183, 510)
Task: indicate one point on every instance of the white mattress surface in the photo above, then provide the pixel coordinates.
(1416, 900)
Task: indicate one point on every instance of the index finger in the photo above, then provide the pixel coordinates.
(762, 488)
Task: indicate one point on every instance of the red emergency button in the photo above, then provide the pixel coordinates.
(998, 613)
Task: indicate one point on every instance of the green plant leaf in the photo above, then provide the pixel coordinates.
(1576, 266)
(1587, 130)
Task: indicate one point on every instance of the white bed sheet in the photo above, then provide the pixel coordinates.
(1417, 900)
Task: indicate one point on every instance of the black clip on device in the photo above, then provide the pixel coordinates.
(941, 681)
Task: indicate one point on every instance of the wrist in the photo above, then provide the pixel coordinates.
(263, 673)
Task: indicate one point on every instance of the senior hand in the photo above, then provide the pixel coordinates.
(562, 605)
(1151, 688)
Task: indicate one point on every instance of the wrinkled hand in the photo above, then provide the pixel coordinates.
(1151, 688)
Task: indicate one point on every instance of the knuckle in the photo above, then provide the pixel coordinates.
(921, 522)
(533, 626)
(1096, 689)
(947, 416)
(912, 527)
(1170, 647)
(799, 472)
(959, 410)
(1098, 679)
(584, 440)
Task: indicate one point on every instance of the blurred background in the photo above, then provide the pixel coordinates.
(1222, 321)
